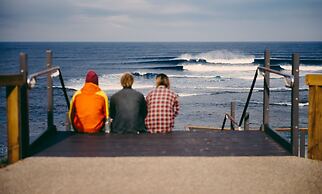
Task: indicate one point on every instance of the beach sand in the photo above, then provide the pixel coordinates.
(162, 175)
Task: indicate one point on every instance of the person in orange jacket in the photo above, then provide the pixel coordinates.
(89, 107)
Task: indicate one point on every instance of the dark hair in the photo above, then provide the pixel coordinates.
(162, 79)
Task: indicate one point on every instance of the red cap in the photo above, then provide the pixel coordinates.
(92, 77)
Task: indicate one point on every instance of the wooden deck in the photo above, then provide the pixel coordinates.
(179, 143)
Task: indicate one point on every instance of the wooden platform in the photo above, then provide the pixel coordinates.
(179, 143)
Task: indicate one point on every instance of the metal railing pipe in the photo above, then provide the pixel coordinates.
(50, 71)
(248, 98)
(227, 116)
(32, 79)
(265, 69)
(64, 89)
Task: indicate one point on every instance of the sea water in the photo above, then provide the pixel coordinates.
(206, 76)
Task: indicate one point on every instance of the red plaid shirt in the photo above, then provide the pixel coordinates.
(163, 107)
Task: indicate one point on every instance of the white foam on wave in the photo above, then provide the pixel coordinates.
(241, 89)
(218, 68)
(106, 83)
(259, 77)
(302, 104)
(193, 76)
(310, 68)
(151, 74)
(190, 94)
(220, 57)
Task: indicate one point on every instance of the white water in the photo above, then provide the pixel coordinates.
(218, 68)
(108, 82)
(221, 57)
(306, 68)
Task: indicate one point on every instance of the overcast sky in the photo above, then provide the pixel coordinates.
(160, 20)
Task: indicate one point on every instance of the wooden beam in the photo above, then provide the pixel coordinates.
(266, 90)
(313, 79)
(11, 80)
(24, 107)
(289, 129)
(13, 123)
(295, 104)
(315, 116)
(199, 127)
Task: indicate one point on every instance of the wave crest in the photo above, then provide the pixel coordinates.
(218, 68)
(219, 57)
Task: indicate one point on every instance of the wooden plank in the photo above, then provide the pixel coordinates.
(180, 143)
(11, 80)
(279, 138)
(200, 127)
(289, 129)
(313, 79)
(13, 123)
(315, 123)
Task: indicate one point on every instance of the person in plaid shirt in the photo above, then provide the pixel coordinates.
(162, 105)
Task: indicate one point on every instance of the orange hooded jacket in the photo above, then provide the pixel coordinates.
(89, 109)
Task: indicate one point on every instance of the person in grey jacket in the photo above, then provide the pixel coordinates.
(127, 108)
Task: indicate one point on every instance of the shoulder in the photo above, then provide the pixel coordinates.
(102, 94)
(115, 95)
(152, 92)
(137, 93)
(78, 92)
(172, 93)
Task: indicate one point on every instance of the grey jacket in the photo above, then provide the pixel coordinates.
(128, 111)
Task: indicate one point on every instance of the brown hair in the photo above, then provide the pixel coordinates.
(127, 80)
(162, 79)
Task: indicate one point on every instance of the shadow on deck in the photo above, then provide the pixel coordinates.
(179, 143)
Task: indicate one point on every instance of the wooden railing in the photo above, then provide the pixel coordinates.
(291, 81)
(17, 111)
(17, 88)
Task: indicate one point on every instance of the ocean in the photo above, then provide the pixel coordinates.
(206, 76)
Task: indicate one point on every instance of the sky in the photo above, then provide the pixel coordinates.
(160, 20)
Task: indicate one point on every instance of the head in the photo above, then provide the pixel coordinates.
(91, 77)
(162, 80)
(127, 80)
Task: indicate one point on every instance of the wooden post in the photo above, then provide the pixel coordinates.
(246, 122)
(314, 81)
(266, 91)
(67, 123)
(13, 123)
(232, 114)
(50, 113)
(295, 105)
(24, 112)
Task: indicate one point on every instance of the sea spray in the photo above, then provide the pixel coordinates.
(220, 57)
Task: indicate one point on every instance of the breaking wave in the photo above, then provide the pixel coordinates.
(219, 57)
(218, 68)
(150, 75)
